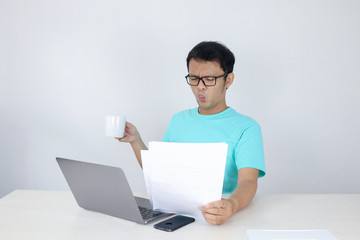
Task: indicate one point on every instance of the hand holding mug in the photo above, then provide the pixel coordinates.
(131, 133)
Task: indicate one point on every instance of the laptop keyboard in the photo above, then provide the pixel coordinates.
(147, 213)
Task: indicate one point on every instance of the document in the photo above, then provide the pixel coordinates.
(290, 235)
(181, 177)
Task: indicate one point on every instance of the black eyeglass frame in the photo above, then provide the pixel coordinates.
(201, 78)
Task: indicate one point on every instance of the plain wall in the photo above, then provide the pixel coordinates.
(64, 65)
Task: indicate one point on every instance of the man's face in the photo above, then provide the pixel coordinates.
(211, 99)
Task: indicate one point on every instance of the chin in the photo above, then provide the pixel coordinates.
(203, 105)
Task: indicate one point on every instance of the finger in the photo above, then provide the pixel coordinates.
(215, 222)
(214, 219)
(214, 211)
(216, 204)
(128, 123)
(124, 139)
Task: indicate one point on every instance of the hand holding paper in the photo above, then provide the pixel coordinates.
(181, 177)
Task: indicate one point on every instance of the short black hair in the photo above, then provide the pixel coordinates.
(213, 51)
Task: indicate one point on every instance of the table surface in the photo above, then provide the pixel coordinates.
(28, 214)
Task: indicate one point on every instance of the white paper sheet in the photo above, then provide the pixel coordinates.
(290, 235)
(181, 177)
(145, 158)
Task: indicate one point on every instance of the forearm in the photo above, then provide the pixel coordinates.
(220, 211)
(138, 145)
(243, 194)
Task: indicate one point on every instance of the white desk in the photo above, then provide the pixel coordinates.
(39, 215)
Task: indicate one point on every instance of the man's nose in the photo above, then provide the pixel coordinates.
(201, 84)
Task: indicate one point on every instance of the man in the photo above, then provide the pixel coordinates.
(210, 67)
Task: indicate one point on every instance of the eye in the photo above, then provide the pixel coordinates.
(210, 79)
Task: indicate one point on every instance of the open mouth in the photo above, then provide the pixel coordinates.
(202, 98)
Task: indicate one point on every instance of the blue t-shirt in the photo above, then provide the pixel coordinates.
(241, 133)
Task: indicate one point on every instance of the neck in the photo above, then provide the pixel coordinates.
(212, 111)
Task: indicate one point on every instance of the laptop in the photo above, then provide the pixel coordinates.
(106, 190)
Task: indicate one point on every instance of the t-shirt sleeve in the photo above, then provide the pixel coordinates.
(250, 150)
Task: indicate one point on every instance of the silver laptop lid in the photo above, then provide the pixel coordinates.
(101, 188)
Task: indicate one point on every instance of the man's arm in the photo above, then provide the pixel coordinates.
(133, 137)
(219, 212)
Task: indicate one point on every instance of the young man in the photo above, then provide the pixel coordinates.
(210, 67)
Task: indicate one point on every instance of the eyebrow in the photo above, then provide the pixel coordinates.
(193, 75)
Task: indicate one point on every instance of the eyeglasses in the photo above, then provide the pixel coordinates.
(208, 81)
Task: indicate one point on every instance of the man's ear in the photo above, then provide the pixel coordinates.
(229, 80)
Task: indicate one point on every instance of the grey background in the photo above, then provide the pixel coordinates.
(64, 65)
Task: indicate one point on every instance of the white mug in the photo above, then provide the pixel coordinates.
(115, 126)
